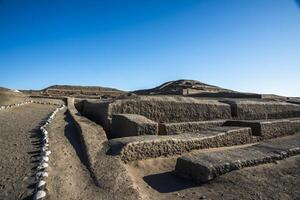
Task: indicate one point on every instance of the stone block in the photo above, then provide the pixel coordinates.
(262, 109)
(265, 128)
(203, 167)
(125, 125)
(187, 127)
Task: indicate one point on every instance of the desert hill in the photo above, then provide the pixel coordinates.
(10, 96)
(195, 89)
(181, 86)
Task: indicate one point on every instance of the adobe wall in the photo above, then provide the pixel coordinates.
(254, 110)
(187, 127)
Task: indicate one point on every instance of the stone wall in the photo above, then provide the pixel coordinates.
(254, 110)
(266, 128)
(187, 127)
(149, 146)
(157, 108)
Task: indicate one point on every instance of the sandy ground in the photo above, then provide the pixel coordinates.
(69, 177)
(18, 146)
(280, 180)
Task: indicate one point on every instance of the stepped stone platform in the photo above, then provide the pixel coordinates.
(262, 109)
(268, 128)
(150, 146)
(187, 127)
(157, 108)
(203, 167)
(125, 125)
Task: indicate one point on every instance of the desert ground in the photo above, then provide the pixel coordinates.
(181, 140)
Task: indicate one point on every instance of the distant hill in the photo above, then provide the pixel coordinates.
(195, 88)
(8, 96)
(78, 87)
(79, 91)
(4, 89)
(181, 86)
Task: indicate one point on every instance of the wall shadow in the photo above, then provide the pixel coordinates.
(167, 182)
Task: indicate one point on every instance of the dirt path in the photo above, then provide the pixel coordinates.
(18, 147)
(68, 174)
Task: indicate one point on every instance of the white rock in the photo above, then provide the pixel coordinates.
(39, 195)
(44, 158)
(41, 183)
(46, 141)
(46, 153)
(45, 137)
(44, 149)
(42, 165)
(41, 175)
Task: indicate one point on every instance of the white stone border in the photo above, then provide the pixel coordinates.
(15, 105)
(42, 173)
(27, 102)
(46, 103)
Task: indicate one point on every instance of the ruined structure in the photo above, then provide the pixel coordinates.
(178, 136)
(197, 116)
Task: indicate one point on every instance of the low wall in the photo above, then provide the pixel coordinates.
(149, 146)
(255, 110)
(187, 127)
(267, 128)
(108, 171)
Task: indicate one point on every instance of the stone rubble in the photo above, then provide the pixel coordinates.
(42, 173)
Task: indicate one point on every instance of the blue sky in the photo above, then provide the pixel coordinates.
(246, 45)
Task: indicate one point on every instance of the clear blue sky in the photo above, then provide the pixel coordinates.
(246, 45)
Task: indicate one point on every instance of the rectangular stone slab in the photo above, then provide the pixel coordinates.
(266, 128)
(203, 167)
(125, 125)
(150, 146)
(187, 127)
(262, 109)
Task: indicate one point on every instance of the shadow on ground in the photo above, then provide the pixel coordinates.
(73, 137)
(167, 182)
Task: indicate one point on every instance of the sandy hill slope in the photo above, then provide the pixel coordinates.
(8, 96)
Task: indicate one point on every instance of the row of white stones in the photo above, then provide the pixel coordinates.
(46, 103)
(42, 173)
(27, 102)
(15, 105)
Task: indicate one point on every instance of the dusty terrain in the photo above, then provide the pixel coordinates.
(70, 178)
(19, 142)
(278, 180)
(8, 97)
